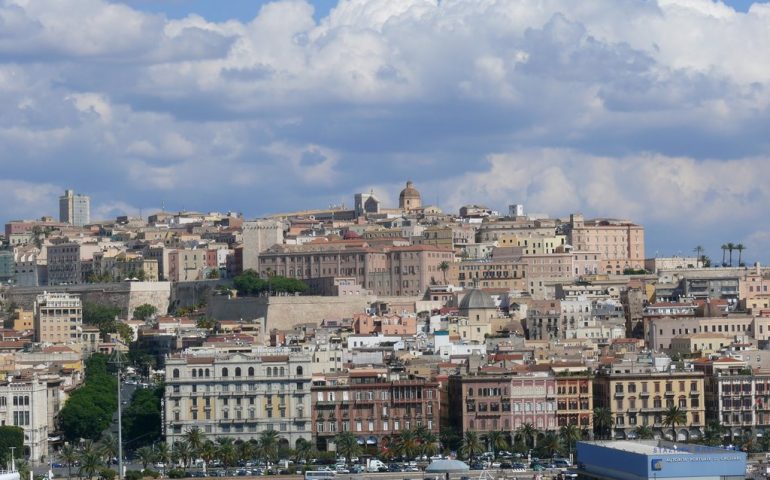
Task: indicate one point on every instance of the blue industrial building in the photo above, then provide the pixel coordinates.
(654, 459)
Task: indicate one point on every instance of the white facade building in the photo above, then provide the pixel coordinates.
(24, 403)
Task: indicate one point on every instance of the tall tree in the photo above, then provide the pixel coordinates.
(90, 461)
(724, 250)
(195, 439)
(672, 417)
(347, 445)
(69, 455)
(183, 453)
(643, 432)
(698, 255)
(496, 441)
(407, 443)
(10, 437)
(570, 434)
(602, 421)
(144, 311)
(302, 450)
(146, 456)
(552, 443)
(714, 433)
(268, 445)
(444, 267)
(740, 247)
(528, 433)
(472, 445)
(108, 447)
(226, 452)
(730, 248)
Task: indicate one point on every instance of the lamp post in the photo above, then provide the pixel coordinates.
(117, 360)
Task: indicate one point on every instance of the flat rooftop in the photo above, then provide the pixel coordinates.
(656, 447)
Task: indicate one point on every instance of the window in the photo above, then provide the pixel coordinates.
(176, 373)
(299, 370)
(225, 372)
(251, 371)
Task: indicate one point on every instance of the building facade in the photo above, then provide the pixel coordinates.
(75, 208)
(642, 399)
(24, 404)
(58, 318)
(620, 243)
(487, 402)
(372, 404)
(239, 395)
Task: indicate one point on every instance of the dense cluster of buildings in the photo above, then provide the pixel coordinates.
(413, 317)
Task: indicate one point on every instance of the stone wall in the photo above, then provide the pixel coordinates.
(124, 295)
(283, 312)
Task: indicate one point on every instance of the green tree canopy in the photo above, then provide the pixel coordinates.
(142, 419)
(88, 411)
(10, 437)
(249, 283)
(145, 311)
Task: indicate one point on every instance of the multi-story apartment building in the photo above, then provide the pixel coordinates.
(736, 396)
(532, 243)
(372, 404)
(544, 320)
(753, 290)
(640, 397)
(484, 402)
(507, 273)
(661, 331)
(64, 264)
(619, 243)
(75, 209)
(58, 318)
(188, 264)
(239, 395)
(574, 400)
(24, 404)
(386, 270)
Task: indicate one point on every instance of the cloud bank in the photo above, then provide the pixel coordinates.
(657, 111)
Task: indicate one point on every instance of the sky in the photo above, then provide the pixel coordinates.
(654, 111)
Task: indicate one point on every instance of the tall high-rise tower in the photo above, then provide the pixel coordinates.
(75, 208)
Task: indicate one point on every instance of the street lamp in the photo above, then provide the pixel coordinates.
(118, 359)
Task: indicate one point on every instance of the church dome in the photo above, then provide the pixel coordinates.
(476, 298)
(409, 197)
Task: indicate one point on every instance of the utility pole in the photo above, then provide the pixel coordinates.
(117, 360)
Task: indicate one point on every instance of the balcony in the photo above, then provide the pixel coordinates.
(619, 394)
(669, 393)
(694, 393)
(644, 394)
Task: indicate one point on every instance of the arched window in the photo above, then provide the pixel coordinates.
(200, 372)
(225, 372)
(207, 372)
(269, 371)
(237, 371)
(176, 373)
(282, 371)
(26, 400)
(470, 392)
(299, 370)
(251, 371)
(195, 373)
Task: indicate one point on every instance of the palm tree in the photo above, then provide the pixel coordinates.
(146, 455)
(643, 432)
(208, 452)
(472, 445)
(570, 434)
(23, 468)
(552, 443)
(195, 439)
(268, 445)
(245, 451)
(674, 416)
(698, 255)
(347, 445)
(183, 453)
(444, 266)
(496, 440)
(90, 462)
(740, 247)
(429, 444)
(730, 248)
(724, 249)
(162, 453)
(528, 432)
(602, 421)
(226, 452)
(69, 456)
(108, 447)
(714, 433)
(407, 443)
(302, 450)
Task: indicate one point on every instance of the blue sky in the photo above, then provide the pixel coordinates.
(656, 111)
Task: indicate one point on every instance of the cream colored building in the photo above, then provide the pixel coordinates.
(661, 331)
(239, 395)
(642, 398)
(23, 320)
(532, 243)
(24, 404)
(58, 318)
(700, 343)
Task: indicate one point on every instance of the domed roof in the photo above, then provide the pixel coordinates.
(476, 298)
(409, 191)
